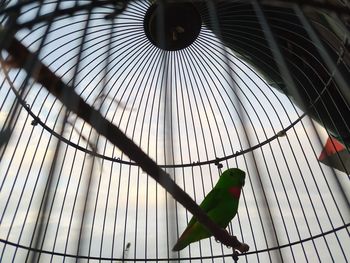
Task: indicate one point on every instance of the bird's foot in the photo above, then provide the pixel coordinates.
(235, 255)
(218, 241)
(233, 242)
(242, 248)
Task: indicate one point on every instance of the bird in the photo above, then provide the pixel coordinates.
(220, 204)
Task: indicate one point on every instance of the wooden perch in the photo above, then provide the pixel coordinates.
(21, 56)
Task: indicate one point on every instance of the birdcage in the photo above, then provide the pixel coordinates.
(118, 118)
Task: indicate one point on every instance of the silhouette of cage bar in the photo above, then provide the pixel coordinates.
(117, 117)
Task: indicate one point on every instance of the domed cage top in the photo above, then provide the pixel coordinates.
(118, 117)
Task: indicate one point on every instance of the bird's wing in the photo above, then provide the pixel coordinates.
(209, 202)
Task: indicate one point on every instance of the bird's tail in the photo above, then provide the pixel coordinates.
(191, 234)
(183, 240)
(180, 244)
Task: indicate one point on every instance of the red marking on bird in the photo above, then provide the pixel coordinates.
(235, 191)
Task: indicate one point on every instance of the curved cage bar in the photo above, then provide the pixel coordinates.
(199, 86)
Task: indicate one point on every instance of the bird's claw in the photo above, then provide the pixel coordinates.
(243, 248)
(235, 255)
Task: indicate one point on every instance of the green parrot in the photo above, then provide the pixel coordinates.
(220, 204)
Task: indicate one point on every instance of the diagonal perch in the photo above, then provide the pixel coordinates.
(20, 56)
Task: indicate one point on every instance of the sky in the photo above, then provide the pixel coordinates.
(180, 107)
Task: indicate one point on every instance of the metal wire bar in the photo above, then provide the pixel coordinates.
(170, 259)
(241, 109)
(76, 104)
(271, 149)
(196, 74)
(135, 98)
(59, 12)
(204, 58)
(278, 55)
(322, 5)
(22, 92)
(122, 160)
